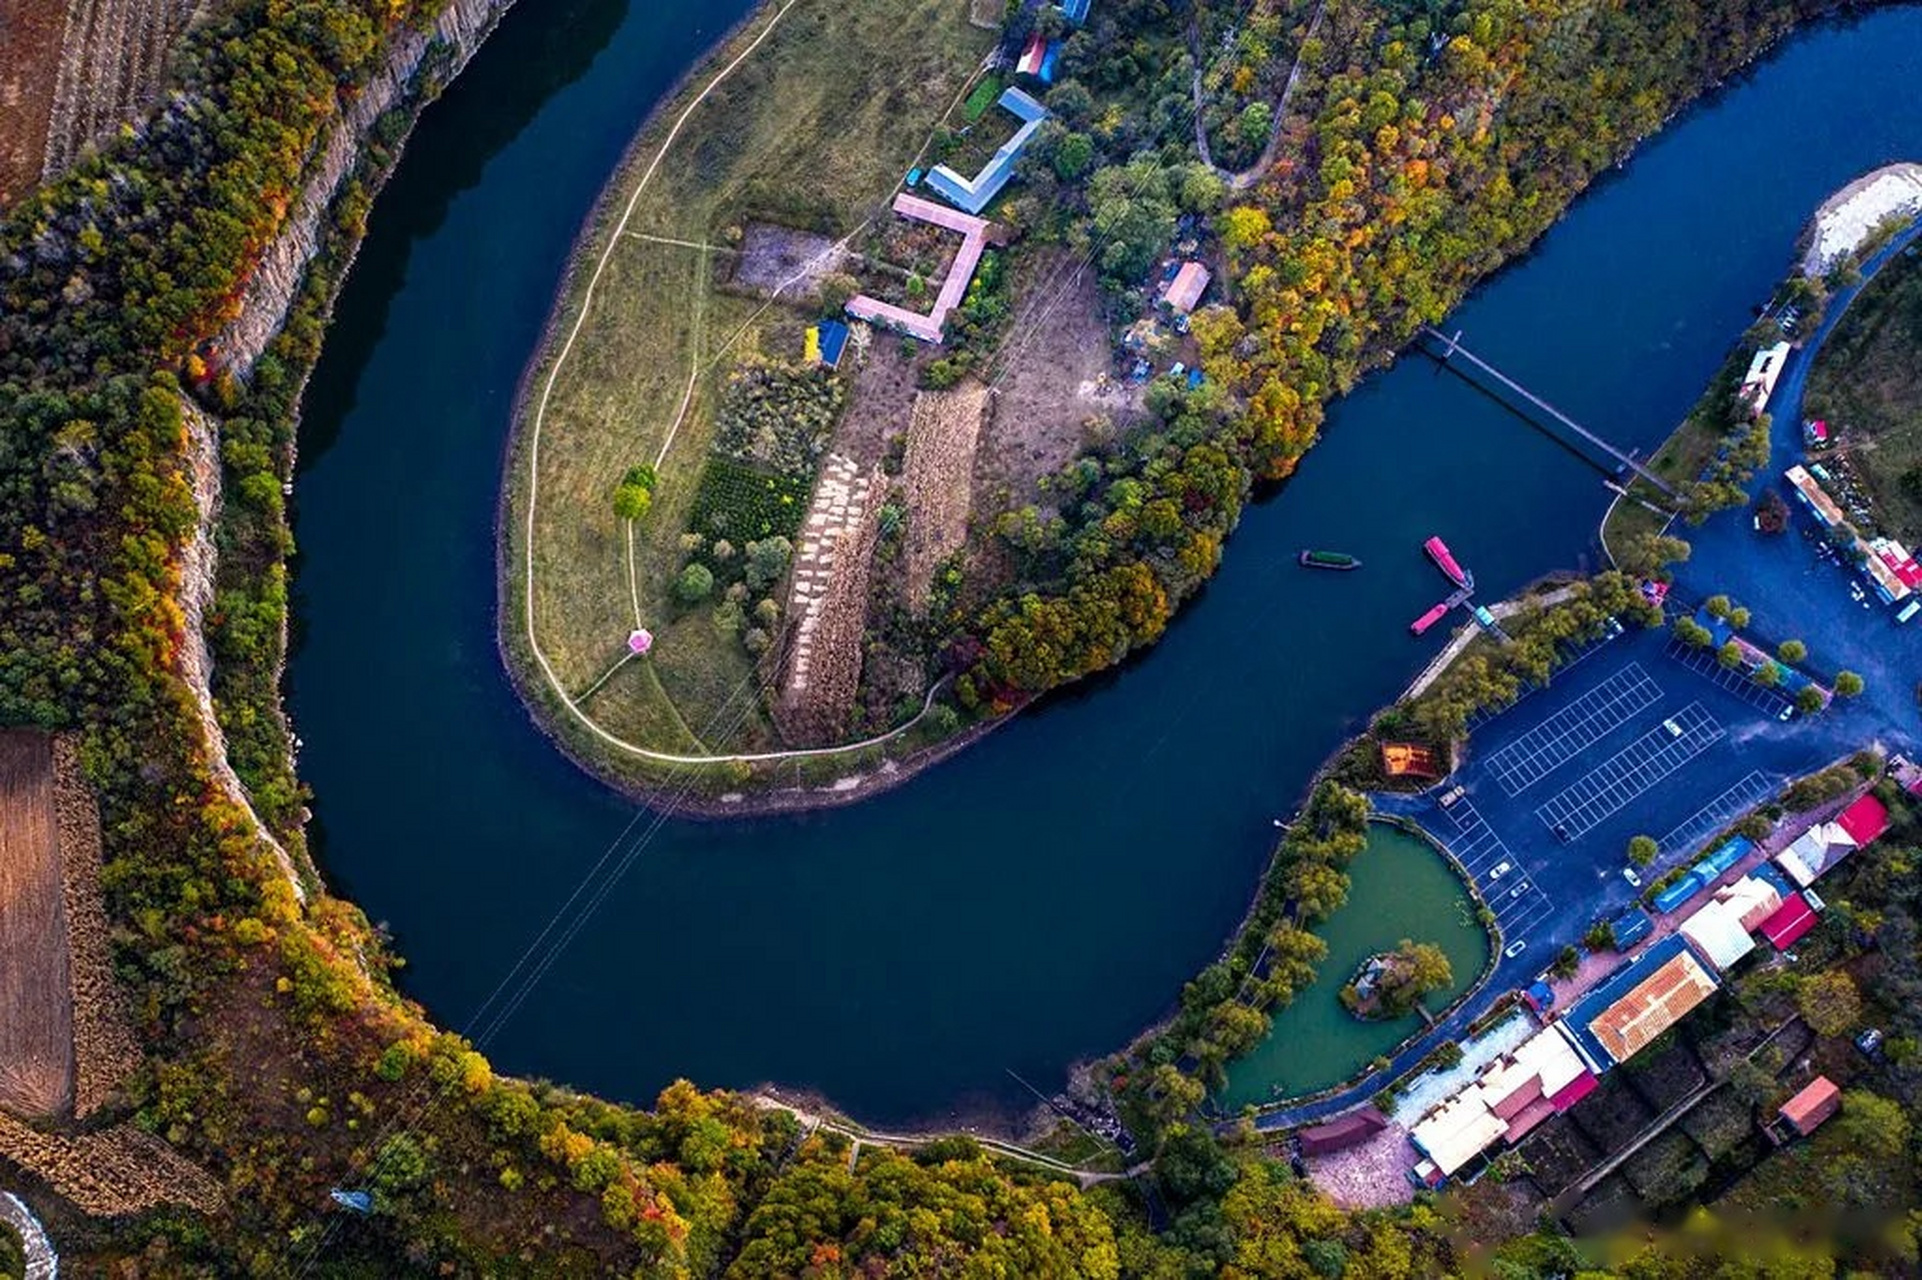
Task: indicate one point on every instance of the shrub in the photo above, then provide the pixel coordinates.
(695, 584)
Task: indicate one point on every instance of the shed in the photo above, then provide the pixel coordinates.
(1630, 928)
(1678, 893)
(1185, 290)
(1806, 1111)
(1350, 1130)
(1864, 820)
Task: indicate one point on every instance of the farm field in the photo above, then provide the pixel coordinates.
(30, 32)
(111, 65)
(36, 1001)
(798, 135)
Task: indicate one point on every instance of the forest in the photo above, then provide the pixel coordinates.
(280, 1056)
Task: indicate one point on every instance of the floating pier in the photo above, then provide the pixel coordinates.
(1463, 579)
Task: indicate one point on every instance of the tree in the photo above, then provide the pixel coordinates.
(1847, 684)
(1729, 655)
(1829, 1002)
(1600, 936)
(1253, 126)
(1413, 970)
(1073, 155)
(1692, 633)
(1191, 1166)
(836, 290)
(1768, 675)
(1872, 1124)
(1738, 617)
(695, 584)
(1791, 651)
(1717, 606)
(634, 495)
(767, 560)
(1567, 961)
(1642, 850)
(1808, 700)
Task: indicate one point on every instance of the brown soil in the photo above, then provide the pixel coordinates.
(824, 672)
(877, 408)
(775, 258)
(943, 430)
(36, 1002)
(30, 34)
(1056, 385)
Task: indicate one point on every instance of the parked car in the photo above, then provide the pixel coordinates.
(1515, 948)
(1501, 871)
(1628, 874)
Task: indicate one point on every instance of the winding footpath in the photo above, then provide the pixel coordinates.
(1252, 174)
(553, 679)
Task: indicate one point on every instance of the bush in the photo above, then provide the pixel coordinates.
(1642, 850)
(1847, 684)
(695, 584)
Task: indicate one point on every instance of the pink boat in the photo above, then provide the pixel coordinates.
(1428, 619)
(1438, 552)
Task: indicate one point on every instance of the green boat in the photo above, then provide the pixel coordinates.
(1328, 560)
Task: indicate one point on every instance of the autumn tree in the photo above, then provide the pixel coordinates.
(1829, 1002)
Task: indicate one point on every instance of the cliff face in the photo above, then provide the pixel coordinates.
(455, 36)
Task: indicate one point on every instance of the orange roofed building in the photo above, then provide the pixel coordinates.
(1409, 760)
(1806, 1111)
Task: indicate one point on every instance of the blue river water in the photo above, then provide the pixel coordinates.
(1042, 897)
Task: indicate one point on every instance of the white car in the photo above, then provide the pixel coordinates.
(1674, 730)
(1501, 871)
(1518, 890)
(1515, 948)
(1628, 874)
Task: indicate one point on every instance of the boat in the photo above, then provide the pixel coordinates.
(1445, 561)
(1328, 560)
(1428, 619)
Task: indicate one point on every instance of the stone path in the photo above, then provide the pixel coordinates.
(839, 506)
(42, 1262)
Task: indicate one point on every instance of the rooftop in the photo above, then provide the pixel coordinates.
(1644, 998)
(1817, 1101)
(954, 286)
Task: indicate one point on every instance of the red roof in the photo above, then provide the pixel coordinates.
(1574, 1091)
(1864, 820)
(1527, 1118)
(1816, 1103)
(1789, 922)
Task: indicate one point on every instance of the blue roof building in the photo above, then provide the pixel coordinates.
(1630, 927)
(834, 340)
(1638, 1002)
(972, 195)
(1077, 10)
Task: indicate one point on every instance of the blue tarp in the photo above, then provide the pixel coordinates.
(1726, 855)
(1678, 893)
(834, 340)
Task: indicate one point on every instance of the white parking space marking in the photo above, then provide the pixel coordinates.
(1573, 729)
(1609, 787)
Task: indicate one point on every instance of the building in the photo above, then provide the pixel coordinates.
(1815, 434)
(1038, 58)
(1076, 10)
(1647, 996)
(1541, 1076)
(1805, 1112)
(1350, 1130)
(1814, 497)
(974, 194)
(1722, 928)
(1788, 922)
(1759, 382)
(1825, 844)
(1185, 290)
(1409, 760)
(825, 343)
(954, 286)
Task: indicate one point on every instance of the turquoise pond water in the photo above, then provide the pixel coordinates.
(1400, 887)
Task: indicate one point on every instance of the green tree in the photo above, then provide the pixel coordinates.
(1073, 155)
(695, 584)
(1692, 633)
(1191, 1166)
(1729, 655)
(1717, 606)
(1829, 1002)
(767, 560)
(1847, 684)
(1768, 674)
(1600, 936)
(1808, 700)
(1876, 1126)
(1791, 651)
(1642, 850)
(1257, 119)
(1414, 969)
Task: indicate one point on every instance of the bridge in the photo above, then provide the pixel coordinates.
(1452, 347)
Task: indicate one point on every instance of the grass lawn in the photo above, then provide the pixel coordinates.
(813, 129)
(1867, 383)
(1679, 461)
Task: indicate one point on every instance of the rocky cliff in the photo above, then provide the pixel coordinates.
(420, 62)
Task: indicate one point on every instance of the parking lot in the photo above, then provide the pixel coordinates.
(1637, 738)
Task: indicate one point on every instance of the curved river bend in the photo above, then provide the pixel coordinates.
(1042, 897)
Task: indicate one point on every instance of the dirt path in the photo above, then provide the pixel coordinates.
(42, 1262)
(1252, 174)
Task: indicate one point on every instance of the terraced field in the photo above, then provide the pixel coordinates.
(72, 71)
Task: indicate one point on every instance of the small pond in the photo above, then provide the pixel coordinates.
(1400, 888)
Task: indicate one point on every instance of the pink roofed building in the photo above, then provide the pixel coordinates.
(954, 286)
(1185, 290)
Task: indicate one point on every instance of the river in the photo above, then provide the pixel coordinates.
(1042, 897)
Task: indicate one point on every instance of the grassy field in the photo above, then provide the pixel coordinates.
(812, 129)
(1868, 384)
(36, 1002)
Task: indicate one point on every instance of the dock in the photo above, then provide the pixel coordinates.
(1464, 580)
